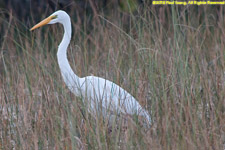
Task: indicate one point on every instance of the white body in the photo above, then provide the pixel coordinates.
(99, 92)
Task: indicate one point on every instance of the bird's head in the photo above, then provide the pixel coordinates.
(57, 17)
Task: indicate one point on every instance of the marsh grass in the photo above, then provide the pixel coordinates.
(170, 59)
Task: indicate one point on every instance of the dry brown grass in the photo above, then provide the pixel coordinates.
(173, 63)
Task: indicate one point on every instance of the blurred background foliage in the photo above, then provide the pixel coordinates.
(170, 57)
(27, 10)
(23, 8)
(85, 12)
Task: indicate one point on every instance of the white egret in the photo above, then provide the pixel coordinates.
(99, 92)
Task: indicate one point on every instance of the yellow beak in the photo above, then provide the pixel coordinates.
(43, 22)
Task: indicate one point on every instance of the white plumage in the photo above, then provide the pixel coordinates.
(99, 92)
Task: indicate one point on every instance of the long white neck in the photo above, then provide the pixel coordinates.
(69, 77)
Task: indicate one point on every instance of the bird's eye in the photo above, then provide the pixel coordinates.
(54, 17)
